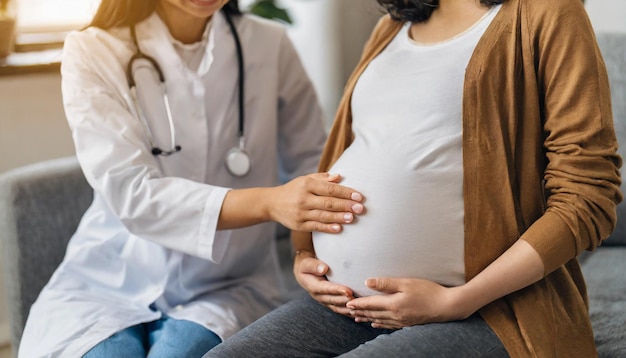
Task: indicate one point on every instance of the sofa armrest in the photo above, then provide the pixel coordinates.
(40, 207)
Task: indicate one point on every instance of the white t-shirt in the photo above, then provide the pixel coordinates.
(196, 54)
(407, 161)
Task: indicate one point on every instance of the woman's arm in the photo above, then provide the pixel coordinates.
(582, 178)
(408, 302)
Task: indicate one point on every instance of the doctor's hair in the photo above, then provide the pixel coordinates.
(418, 10)
(122, 13)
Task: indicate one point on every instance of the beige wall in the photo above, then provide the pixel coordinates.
(32, 123)
(329, 36)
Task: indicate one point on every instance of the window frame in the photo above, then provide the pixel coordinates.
(39, 36)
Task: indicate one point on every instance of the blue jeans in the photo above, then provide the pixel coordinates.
(166, 337)
(305, 329)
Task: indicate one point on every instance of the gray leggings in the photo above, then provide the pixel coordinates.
(303, 328)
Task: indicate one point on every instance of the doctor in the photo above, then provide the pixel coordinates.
(156, 267)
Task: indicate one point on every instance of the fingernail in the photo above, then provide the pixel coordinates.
(357, 208)
(356, 197)
(320, 268)
(347, 217)
(336, 227)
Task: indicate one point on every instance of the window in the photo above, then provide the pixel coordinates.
(42, 26)
(39, 16)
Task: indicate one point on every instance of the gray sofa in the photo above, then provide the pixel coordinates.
(605, 268)
(40, 207)
(41, 204)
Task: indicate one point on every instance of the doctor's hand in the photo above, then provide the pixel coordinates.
(310, 274)
(315, 202)
(407, 302)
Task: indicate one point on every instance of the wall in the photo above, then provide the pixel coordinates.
(607, 15)
(32, 123)
(340, 29)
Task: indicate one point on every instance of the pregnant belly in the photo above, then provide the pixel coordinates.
(412, 228)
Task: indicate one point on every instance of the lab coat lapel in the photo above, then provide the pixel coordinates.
(222, 95)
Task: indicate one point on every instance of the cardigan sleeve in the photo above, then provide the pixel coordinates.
(582, 178)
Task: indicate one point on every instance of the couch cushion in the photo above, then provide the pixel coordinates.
(613, 47)
(40, 207)
(604, 274)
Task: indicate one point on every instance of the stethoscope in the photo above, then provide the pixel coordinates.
(238, 160)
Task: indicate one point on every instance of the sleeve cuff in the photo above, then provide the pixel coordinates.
(553, 240)
(212, 243)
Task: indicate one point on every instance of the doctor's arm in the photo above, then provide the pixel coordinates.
(313, 202)
(175, 212)
(308, 202)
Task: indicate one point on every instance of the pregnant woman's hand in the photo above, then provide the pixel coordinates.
(315, 202)
(309, 272)
(406, 302)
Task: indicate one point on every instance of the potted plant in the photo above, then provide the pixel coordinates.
(7, 27)
(269, 9)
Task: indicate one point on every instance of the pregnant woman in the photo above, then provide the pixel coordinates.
(480, 133)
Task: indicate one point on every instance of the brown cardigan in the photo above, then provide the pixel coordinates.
(539, 160)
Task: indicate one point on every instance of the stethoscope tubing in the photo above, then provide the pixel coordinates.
(243, 156)
(240, 63)
(139, 55)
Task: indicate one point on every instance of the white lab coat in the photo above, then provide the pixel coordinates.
(150, 234)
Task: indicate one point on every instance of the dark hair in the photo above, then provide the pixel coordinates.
(418, 10)
(114, 13)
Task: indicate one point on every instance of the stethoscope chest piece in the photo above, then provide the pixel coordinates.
(238, 161)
